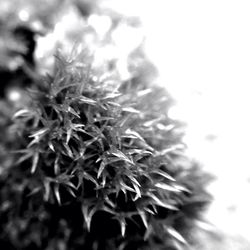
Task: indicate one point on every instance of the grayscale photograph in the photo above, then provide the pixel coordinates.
(124, 125)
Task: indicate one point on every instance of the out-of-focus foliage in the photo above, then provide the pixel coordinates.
(89, 158)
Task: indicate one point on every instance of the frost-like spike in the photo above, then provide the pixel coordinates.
(134, 133)
(152, 122)
(87, 100)
(51, 146)
(170, 149)
(22, 113)
(68, 150)
(39, 132)
(133, 179)
(56, 166)
(125, 187)
(167, 187)
(101, 168)
(90, 178)
(137, 191)
(161, 203)
(72, 111)
(175, 234)
(111, 96)
(69, 133)
(144, 92)
(88, 214)
(116, 152)
(71, 192)
(123, 226)
(57, 194)
(47, 189)
(34, 162)
(143, 218)
(131, 110)
(163, 174)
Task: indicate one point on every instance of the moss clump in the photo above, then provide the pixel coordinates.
(96, 165)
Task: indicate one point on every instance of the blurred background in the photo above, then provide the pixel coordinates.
(201, 51)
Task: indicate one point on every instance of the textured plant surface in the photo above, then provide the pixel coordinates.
(96, 164)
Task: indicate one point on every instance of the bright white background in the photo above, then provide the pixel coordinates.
(202, 49)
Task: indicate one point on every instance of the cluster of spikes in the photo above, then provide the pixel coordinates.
(99, 164)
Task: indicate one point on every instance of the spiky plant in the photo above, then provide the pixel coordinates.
(97, 164)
